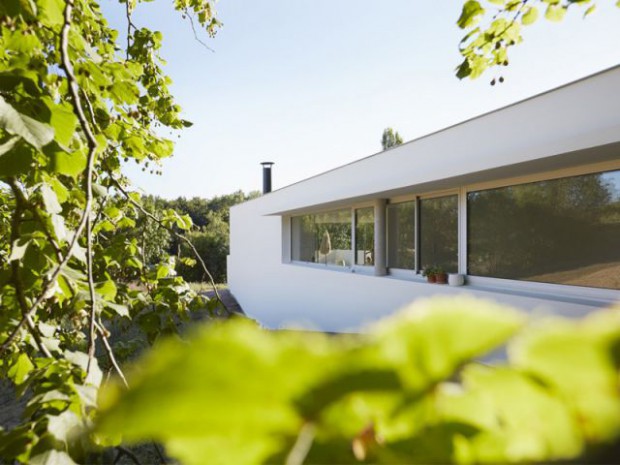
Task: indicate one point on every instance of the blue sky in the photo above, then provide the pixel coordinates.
(311, 85)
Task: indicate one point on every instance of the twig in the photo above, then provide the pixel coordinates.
(179, 236)
(124, 451)
(104, 337)
(191, 23)
(302, 445)
(130, 25)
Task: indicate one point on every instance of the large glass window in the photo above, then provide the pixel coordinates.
(323, 238)
(439, 233)
(563, 231)
(401, 235)
(365, 236)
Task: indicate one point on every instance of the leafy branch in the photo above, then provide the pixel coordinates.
(170, 229)
(486, 46)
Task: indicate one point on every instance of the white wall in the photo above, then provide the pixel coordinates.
(543, 133)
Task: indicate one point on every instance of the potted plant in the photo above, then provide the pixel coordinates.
(430, 274)
(441, 277)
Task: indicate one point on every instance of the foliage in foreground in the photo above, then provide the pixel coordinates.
(406, 392)
(76, 103)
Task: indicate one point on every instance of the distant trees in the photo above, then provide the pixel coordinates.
(390, 138)
(209, 235)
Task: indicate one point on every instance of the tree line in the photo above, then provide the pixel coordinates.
(209, 234)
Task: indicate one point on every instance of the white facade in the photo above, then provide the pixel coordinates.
(569, 131)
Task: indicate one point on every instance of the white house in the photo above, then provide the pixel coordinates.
(524, 201)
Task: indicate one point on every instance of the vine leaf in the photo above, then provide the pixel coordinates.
(576, 358)
(32, 131)
(290, 378)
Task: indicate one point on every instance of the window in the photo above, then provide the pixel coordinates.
(401, 235)
(323, 238)
(562, 231)
(365, 236)
(439, 233)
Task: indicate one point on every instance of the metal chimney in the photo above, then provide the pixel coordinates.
(267, 176)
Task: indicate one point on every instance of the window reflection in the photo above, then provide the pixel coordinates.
(563, 231)
(401, 235)
(439, 233)
(323, 238)
(365, 236)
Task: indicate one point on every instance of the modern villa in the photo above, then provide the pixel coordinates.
(524, 202)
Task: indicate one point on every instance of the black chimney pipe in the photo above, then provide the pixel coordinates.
(267, 176)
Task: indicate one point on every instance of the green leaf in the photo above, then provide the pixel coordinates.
(428, 340)
(60, 230)
(63, 120)
(62, 193)
(70, 164)
(17, 160)
(51, 12)
(555, 13)
(530, 16)
(19, 249)
(121, 310)
(106, 289)
(525, 421)
(50, 200)
(577, 360)
(590, 10)
(289, 376)
(34, 132)
(163, 271)
(239, 422)
(64, 425)
(470, 14)
(18, 371)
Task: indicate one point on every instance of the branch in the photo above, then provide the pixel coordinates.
(179, 236)
(130, 25)
(17, 281)
(104, 337)
(88, 188)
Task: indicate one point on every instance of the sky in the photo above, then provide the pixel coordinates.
(311, 85)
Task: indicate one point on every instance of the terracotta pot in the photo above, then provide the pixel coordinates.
(441, 278)
(431, 278)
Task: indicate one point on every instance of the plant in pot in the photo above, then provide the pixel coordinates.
(441, 277)
(430, 274)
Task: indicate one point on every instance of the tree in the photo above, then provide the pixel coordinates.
(390, 138)
(74, 103)
(493, 29)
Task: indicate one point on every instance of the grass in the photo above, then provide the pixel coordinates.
(206, 287)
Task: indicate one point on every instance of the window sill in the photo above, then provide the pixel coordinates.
(589, 296)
